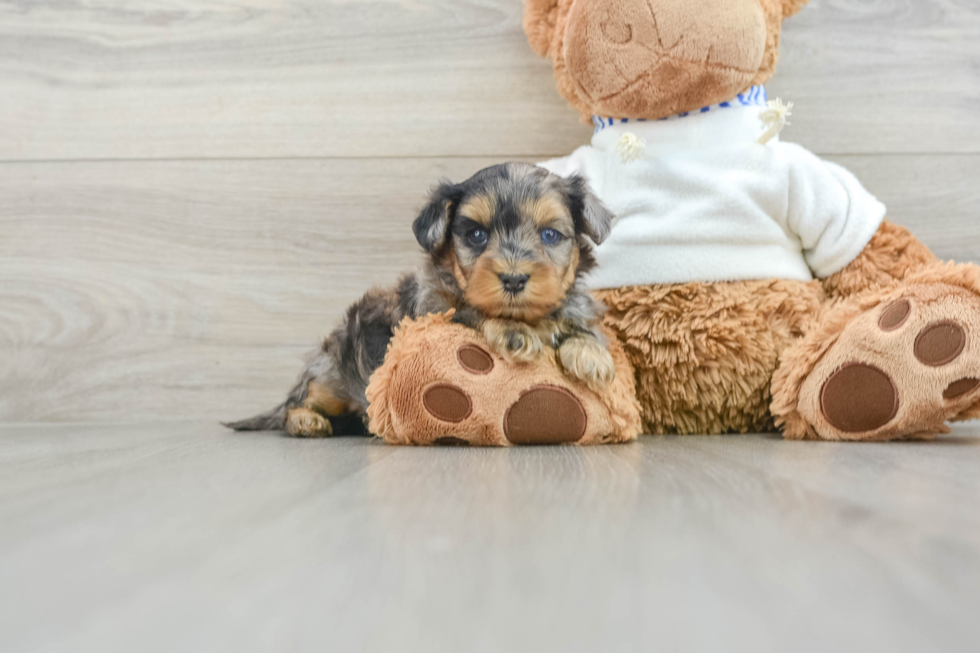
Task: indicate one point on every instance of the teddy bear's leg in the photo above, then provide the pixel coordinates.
(704, 353)
(893, 363)
(441, 383)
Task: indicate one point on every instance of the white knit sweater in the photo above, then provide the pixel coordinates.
(705, 202)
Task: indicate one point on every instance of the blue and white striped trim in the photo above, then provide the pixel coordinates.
(754, 97)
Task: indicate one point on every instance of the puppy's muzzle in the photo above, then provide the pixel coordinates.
(514, 283)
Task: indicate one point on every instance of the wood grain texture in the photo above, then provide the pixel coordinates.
(153, 289)
(351, 78)
(186, 537)
(161, 290)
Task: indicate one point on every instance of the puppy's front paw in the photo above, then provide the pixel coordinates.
(584, 358)
(523, 345)
(516, 342)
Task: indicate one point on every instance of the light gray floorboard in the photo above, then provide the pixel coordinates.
(252, 78)
(181, 536)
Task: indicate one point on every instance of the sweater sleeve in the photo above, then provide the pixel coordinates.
(829, 210)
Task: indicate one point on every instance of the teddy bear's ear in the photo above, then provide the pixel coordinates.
(539, 24)
(590, 215)
(432, 225)
(790, 7)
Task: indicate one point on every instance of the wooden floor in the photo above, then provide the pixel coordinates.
(184, 537)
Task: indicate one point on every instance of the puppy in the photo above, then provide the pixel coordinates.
(507, 250)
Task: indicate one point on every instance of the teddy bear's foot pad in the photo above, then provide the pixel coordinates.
(859, 397)
(545, 414)
(899, 370)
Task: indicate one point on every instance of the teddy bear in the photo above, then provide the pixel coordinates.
(750, 285)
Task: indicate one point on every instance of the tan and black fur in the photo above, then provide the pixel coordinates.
(507, 250)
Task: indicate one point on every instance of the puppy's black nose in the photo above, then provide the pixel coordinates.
(514, 283)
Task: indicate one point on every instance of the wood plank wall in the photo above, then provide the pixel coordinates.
(191, 192)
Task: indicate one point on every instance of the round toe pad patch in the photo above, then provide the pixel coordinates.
(450, 441)
(960, 388)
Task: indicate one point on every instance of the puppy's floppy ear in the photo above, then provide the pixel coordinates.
(432, 226)
(590, 215)
(539, 24)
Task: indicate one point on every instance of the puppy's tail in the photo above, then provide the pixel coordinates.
(275, 419)
(271, 420)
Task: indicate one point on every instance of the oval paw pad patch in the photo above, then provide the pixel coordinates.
(940, 343)
(447, 402)
(545, 414)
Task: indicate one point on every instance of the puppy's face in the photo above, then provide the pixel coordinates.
(514, 237)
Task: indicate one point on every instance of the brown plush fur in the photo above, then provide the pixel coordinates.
(655, 58)
(424, 354)
(890, 256)
(705, 353)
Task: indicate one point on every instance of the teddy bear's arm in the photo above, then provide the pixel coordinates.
(831, 210)
(890, 256)
(828, 209)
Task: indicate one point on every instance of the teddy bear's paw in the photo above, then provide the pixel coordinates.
(444, 384)
(899, 370)
(583, 358)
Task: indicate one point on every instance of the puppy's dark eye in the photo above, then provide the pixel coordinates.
(551, 236)
(476, 237)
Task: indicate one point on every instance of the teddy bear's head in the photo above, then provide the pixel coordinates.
(656, 58)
